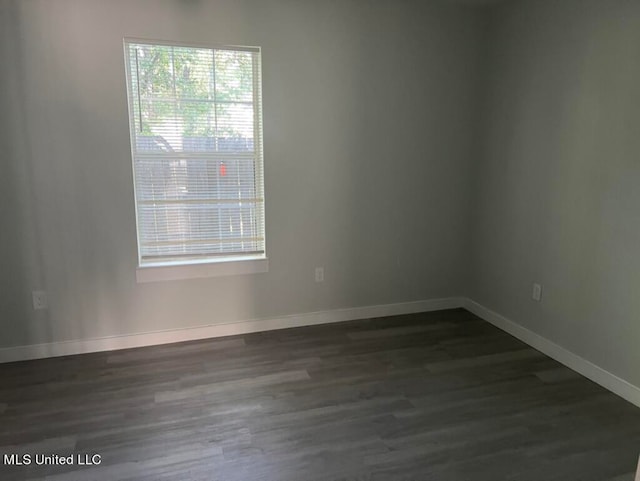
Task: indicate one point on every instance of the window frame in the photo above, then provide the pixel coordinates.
(216, 264)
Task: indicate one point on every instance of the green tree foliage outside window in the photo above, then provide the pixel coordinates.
(203, 92)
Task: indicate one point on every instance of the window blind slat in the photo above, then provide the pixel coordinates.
(200, 201)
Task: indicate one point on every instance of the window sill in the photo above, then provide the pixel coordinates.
(201, 269)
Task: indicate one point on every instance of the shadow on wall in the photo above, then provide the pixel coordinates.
(19, 238)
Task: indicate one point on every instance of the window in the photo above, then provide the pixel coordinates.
(196, 136)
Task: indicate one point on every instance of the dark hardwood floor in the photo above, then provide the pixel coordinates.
(437, 396)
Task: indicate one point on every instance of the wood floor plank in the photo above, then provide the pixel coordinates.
(485, 360)
(559, 374)
(399, 331)
(244, 384)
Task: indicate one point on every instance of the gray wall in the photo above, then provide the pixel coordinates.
(369, 114)
(558, 192)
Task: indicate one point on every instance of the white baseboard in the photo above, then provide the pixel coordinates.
(609, 381)
(81, 346)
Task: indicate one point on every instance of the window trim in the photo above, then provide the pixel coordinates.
(207, 266)
(175, 271)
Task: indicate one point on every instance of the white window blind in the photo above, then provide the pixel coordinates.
(196, 135)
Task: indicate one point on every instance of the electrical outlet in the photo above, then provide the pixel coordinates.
(319, 274)
(40, 300)
(536, 293)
